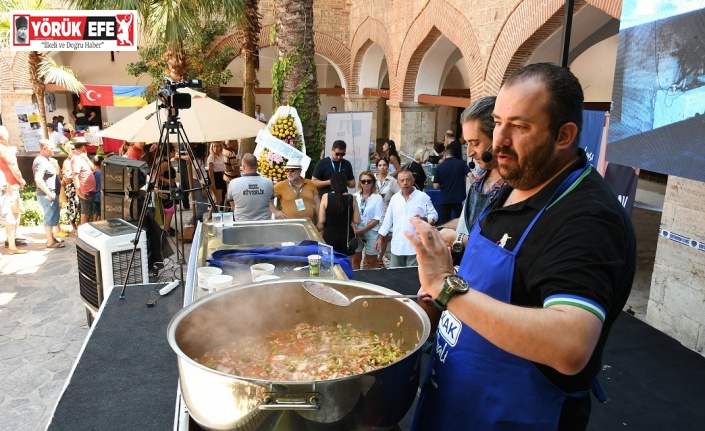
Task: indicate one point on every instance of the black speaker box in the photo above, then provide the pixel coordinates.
(120, 174)
(119, 205)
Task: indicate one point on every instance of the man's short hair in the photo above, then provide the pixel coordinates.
(51, 126)
(339, 145)
(249, 160)
(450, 134)
(565, 94)
(482, 110)
(258, 106)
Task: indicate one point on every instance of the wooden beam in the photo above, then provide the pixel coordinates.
(237, 91)
(376, 92)
(458, 102)
(456, 92)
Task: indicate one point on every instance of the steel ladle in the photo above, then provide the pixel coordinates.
(333, 296)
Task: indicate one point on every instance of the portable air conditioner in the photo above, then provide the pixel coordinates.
(104, 249)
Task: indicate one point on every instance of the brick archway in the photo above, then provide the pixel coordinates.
(525, 28)
(326, 45)
(436, 18)
(370, 32)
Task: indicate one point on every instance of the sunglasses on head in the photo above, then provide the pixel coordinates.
(340, 154)
(366, 181)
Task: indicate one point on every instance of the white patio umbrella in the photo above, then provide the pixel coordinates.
(206, 120)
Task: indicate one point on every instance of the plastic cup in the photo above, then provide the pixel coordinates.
(314, 264)
(227, 219)
(260, 269)
(217, 220)
(218, 282)
(204, 273)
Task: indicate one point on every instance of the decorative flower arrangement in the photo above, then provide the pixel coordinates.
(284, 128)
(271, 165)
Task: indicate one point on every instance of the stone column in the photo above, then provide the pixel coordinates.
(359, 102)
(412, 125)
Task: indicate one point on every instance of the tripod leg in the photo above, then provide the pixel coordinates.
(153, 176)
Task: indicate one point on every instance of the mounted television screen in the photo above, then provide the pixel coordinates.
(658, 114)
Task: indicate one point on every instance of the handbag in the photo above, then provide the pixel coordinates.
(351, 242)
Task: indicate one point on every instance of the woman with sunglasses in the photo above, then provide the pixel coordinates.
(386, 187)
(371, 205)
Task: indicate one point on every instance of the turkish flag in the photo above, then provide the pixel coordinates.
(98, 95)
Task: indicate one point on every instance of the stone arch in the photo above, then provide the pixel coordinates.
(524, 29)
(370, 32)
(14, 72)
(437, 17)
(327, 46)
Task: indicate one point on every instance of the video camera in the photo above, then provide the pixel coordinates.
(173, 99)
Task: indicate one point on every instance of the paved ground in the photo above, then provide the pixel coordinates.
(43, 321)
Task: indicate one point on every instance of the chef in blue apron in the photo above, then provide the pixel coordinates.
(547, 269)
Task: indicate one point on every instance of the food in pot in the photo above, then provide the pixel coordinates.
(305, 353)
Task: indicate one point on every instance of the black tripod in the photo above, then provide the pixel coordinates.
(172, 126)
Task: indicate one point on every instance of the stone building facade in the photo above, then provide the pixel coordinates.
(416, 63)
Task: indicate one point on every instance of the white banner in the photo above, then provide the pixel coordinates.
(73, 30)
(272, 154)
(30, 125)
(354, 128)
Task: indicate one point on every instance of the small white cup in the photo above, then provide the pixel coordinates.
(218, 282)
(204, 273)
(260, 269)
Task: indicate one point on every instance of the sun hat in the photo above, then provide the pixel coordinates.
(293, 164)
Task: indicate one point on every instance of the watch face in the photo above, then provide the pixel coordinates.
(457, 283)
(457, 247)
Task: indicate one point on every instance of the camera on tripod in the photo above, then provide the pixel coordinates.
(172, 99)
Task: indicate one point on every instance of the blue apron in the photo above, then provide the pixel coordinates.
(471, 383)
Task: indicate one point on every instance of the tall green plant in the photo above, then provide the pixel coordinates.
(294, 78)
(212, 69)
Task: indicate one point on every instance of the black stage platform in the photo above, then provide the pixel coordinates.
(126, 377)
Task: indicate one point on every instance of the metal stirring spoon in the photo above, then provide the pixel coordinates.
(333, 296)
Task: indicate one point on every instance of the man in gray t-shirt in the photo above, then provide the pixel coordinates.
(251, 194)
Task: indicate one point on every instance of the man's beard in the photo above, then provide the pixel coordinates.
(531, 171)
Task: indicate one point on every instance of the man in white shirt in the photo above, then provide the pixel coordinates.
(54, 135)
(408, 203)
(259, 115)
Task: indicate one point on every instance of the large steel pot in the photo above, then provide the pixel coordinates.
(372, 401)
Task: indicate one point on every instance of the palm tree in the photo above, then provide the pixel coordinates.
(248, 51)
(294, 74)
(171, 21)
(42, 68)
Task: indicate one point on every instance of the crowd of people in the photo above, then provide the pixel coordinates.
(522, 272)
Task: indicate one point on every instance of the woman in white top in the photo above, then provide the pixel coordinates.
(386, 186)
(216, 170)
(371, 209)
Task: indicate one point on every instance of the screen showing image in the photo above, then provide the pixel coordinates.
(658, 115)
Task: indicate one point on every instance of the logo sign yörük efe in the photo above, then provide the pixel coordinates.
(74, 30)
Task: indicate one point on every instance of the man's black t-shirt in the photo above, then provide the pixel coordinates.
(583, 245)
(326, 167)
